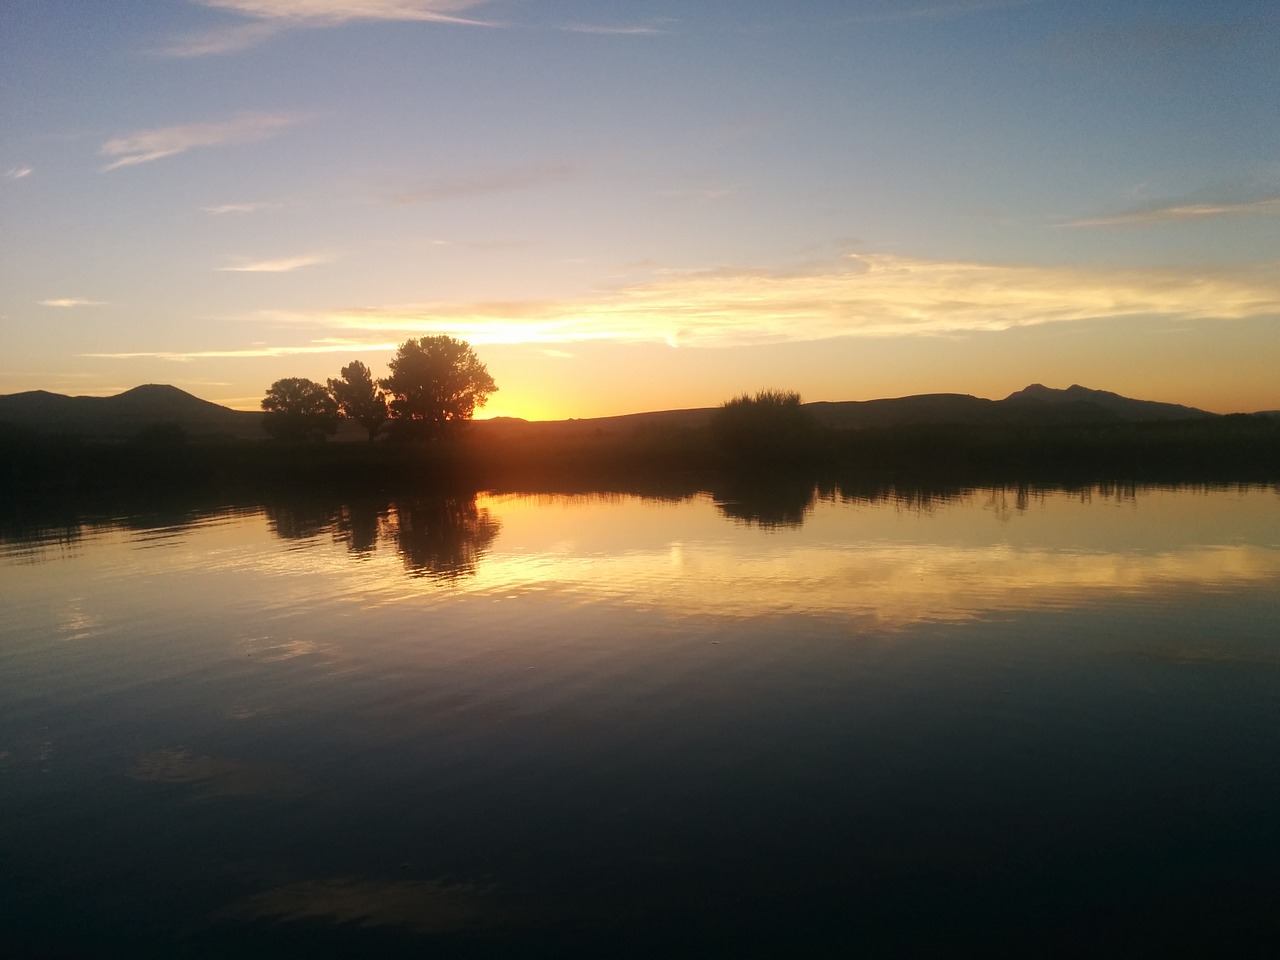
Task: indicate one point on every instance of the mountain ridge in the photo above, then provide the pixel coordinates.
(125, 414)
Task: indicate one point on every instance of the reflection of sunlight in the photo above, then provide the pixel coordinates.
(877, 561)
(76, 624)
(890, 582)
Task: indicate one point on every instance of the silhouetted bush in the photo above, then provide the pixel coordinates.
(771, 427)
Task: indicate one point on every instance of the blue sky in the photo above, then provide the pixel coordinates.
(644, 205)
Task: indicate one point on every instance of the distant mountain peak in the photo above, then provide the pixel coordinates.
(1124, 407)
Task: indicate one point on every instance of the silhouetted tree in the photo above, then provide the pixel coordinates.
(299, 409)
(359, 398)
(771, 426)
(435, 381)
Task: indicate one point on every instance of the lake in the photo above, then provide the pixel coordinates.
(807, 722)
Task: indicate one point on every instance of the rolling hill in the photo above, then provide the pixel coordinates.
(124, 415)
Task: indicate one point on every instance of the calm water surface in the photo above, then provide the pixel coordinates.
(1003, 722)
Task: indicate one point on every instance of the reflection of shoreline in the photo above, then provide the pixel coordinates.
(445, 536)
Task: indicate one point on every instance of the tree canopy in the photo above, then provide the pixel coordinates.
(299, 409)
(359, 398)
(436, 381)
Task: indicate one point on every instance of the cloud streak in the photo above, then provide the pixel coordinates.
(148, 145)
(876, 295)
(225, 208)
(939, 11)
(327, 12)
(632, 30)
(17, 173)
(269, 17)
(321, 346)
(868, 295)
(66, 302)
(281, 265)
(1181, 213)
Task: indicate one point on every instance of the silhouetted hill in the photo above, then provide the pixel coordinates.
(1036, 405)
(1124, 408)
(126, 414)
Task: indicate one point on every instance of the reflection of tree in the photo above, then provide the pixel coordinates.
(358, 524)
(299, 519)
(436, 535)
(769, 503)
(442, 537)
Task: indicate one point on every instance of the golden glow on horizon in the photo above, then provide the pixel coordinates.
(872, 295)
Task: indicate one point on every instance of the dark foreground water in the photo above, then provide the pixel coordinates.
(998, 724)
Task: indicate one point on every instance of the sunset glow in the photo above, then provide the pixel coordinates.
(647, 211)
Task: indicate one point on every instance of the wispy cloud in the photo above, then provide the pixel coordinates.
(225, 208)
(1181, 212)
(344, 11)
(71, 302)
(269, 17)
(937, 11)
(212, 43)
(280, 265)
(487, 182)
(618, 30)
(17, 173)
(876, 295)
(865, 295)
(319, 346)
(148, 145)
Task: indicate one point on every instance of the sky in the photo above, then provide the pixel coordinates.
(644, 205)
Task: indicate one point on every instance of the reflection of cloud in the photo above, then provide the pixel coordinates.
(423, 906)
(891, 582)
(282, 265)
(216, 776)
(148, 145)
(1181, 212)
(269, 17)
(71, 302)
(485, 183)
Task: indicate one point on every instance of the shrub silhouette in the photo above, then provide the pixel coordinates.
(770, 427)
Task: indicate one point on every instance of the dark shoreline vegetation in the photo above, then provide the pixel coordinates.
(49, 482)
(1227, 448)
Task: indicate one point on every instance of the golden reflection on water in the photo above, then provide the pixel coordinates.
(957, 560)
(890, 561)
